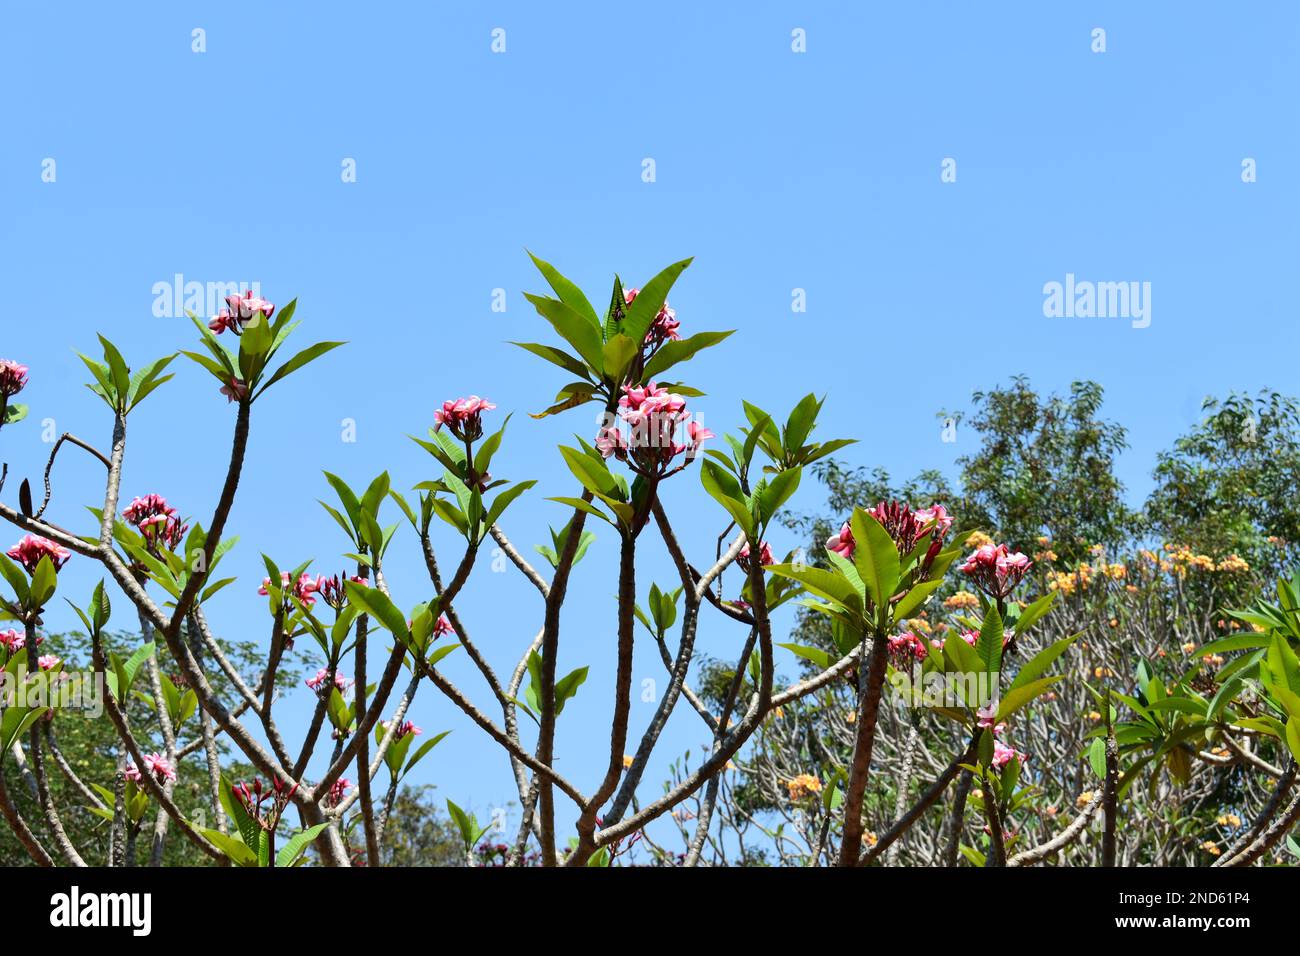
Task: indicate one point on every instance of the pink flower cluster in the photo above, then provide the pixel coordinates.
(332, 590)
(464, 416)
(338, 790)
(156, 521)
(240, 309)
(403, 730)
(1002, 755)
(322, 678)
(253, 798)
(304, 589)
(442, 626)
(996, 570)
(29, 551)
(235, 391)
(665, 326)
(13, 379)
(905, 647)
(905, 526)
(157, 765)
(13, 641)
(652, 417)
(764, 555)
(48, 662)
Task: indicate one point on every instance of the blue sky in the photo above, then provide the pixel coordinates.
(777, 170)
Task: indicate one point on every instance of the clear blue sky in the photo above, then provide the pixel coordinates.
(777, 170)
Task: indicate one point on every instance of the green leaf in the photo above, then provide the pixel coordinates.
(16, 578)
(915, 598)
(555, 356)
(876, 558)
(44, 581)
(683, 350)
(641, 313)
(823, 583)
(121, 375)
(569, 293)
(774, 493)
(233, 847)
(593, 473)
(297, 845)
(567, 686)
(725, 489)
(378, 605)
(1097, 757)
(618, 354)
(989, 645)
(573, 328)
(307, 355)
(503, 501)
(800, 423)
(815, 654)
(1013, 700)
(1044, 659)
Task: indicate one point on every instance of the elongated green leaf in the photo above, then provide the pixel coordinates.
(641, 313)
(875, 556)
(683, 350)
(573, 328)
(569, 293)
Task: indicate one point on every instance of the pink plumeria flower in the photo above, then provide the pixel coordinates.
(322, 677)
(304, 589)
(443, 626)
(159, 766)
(338, 791)
(610, 441)
(403, 730)
(996, 570)
(235, 391)
(842, 543)
(764, 555)
(48, 662)
(248, 305)
(697, 434)
(937, 518)
(132, 772)
(29, 551)
(906, 646)
(1002, 755)
(156, 521)
(222, 321)
(13, 378)
(463, 416)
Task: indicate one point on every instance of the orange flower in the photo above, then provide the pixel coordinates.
(804, 785)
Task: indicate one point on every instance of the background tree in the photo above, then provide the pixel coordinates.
(1231, 484)
(1044, 466)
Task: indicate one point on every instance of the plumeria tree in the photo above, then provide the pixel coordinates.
(372, 650)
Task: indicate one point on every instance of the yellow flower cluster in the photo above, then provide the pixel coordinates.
(962, 601)
(1229, 820)
(1183, 558)
(978, 539)
(1234, 565)
(804, 785)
